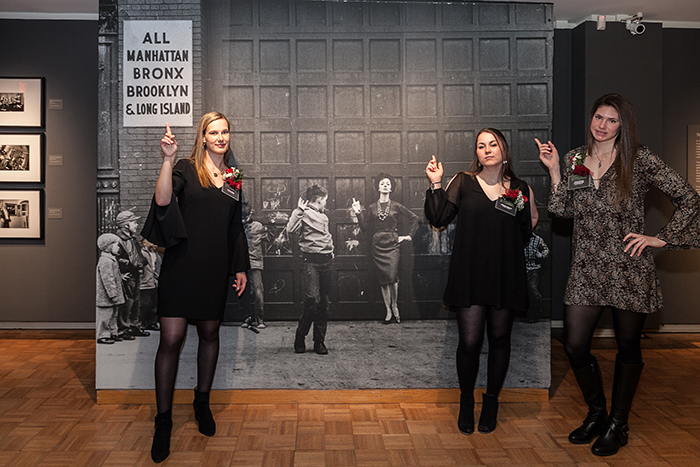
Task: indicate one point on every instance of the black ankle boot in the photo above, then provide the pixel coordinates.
(591, 385)
(160, 450)
(617, 431)
(465, 421)
(489, 412)
(202, 413)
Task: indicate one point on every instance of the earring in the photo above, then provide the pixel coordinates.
(505, 162)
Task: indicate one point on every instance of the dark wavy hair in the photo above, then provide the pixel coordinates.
(507, 172)
(315, 192)
(626, 142)
(381, 177)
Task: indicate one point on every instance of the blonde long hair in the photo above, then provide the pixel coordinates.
(198, 155)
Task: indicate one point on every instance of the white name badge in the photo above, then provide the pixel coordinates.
(228, 190)
(506, 206)
(577, 182)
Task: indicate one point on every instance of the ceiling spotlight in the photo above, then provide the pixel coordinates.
(634, 24)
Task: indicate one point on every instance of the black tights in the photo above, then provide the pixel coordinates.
(470, 323)
(580, 323)
(172, 336)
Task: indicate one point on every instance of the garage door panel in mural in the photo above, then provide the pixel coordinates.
(333, 93)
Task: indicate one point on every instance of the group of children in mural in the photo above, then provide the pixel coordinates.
(127, 281)
(127, 271)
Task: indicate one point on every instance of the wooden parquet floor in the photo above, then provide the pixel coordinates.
(49, 417)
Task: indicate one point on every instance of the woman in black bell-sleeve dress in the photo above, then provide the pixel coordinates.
(487, 281)
(196, 215)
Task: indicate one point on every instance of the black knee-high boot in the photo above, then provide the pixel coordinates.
(625, 385)
(160, 450)
(591, 385)
(465, 421)
(202, 413)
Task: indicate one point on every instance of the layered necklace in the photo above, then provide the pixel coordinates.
(383, 213)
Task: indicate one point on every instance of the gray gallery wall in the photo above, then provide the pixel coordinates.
(679, 271)
(54, 281)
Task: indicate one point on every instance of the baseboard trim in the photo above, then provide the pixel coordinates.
(308, 396)
(46, 325)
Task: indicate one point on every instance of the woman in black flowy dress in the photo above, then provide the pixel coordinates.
(487, 280)
(196, 215)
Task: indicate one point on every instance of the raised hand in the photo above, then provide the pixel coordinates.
(548, 154)
(434, 170)
(168, 144)
(302, 203)
(356, 206)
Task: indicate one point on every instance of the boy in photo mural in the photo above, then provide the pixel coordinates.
(148, 288)
(316, 245)
(255, 232)
(109, 291)
(131, 264)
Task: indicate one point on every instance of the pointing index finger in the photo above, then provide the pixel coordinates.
(167, 129)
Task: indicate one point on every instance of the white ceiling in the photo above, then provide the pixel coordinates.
(672, 12)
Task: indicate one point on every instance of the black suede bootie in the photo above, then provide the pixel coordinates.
(160, 450)
(489, 413)
(465, 421)
(202, 413)
(591, 385)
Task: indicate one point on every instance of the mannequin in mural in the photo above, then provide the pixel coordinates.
(487, 281)
(381, 221)
(196, 215)
(603, 189)
(316, 244)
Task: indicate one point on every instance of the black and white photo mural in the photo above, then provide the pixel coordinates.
(335, 105)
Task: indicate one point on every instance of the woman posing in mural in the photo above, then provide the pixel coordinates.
(487, 281)
(603, 189)
(381, 221)
(196, 215)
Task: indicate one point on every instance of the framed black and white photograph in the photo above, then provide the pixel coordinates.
(22, 102)
(21, 158)
(21, 214)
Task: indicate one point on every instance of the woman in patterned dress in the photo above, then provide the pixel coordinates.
(603, 188)
(381, 221)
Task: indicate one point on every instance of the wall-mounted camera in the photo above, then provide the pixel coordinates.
(634, 24)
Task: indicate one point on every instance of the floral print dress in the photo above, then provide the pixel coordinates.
(602, 274)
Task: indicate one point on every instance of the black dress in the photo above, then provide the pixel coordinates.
(202, 231)
(385, 237)
(487, 266)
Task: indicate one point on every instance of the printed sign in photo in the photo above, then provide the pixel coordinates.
(157, 73)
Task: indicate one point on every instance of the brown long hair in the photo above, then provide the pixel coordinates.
(507, 172)
(626, 142)
(198, 155)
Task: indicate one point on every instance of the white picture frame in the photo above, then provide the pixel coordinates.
(21, 158)
(22, 102)
(21, 214)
